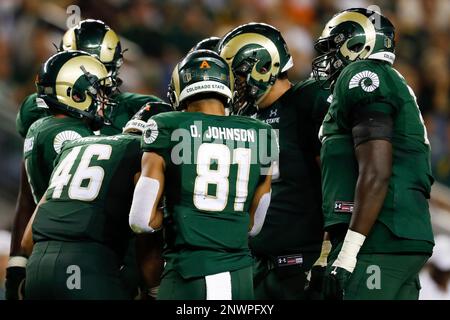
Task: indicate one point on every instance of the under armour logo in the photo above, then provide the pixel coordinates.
(273, 113)
(334, 271)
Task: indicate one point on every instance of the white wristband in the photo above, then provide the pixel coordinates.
(17, 261)
(350, 249)
(144, 198)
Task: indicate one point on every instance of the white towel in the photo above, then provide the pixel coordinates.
(218, 286)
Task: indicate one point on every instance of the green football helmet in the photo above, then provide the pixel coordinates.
(207, 44)
(257, 54)
(351, 35)
(201, 73)
(139, 120)
(74, 83)
(98, 39)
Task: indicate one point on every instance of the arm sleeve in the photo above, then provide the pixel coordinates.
(371, 124)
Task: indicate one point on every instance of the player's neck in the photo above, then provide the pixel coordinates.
(207, 106)
(278, 89)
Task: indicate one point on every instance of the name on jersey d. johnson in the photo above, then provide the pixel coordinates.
(220, 133)
(262, 149)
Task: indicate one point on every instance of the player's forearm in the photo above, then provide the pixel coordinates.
(24, 210)
(259, 214)
(145, 216)
(149, 255)
(325, 251)
(27, 239)
(375, 167)
(143, 212)
(19, 225)
(27, 243)
(260, 205)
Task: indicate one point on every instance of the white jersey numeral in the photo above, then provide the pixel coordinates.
(219, 155)
(87, 180)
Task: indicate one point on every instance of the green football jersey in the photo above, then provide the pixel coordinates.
(127, 105)
(213, 167)
(294, 221)
(376, 86)
(28, 114)
(90, 192)
(42, 144)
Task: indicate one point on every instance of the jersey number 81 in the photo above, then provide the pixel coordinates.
(207, 152)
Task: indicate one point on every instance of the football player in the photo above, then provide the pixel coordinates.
(73, 85)
(290, 241)
(98, 39)
(215, 171)
(81, 224)
(375, 164)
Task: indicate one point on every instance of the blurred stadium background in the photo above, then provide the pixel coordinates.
(159, 32)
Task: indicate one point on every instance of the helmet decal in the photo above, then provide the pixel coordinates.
(108, 46)
(365, 24)
(240, 41)
(69, 41)
(68, 76)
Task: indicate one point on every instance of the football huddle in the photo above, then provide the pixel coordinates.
(240, 184)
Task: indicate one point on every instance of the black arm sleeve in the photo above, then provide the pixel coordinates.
(371, 125)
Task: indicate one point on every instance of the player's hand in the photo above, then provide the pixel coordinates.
(15, 283)
(335, 282)
(336, 279)
(314, 287)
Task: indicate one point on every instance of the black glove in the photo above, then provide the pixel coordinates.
(335, 283)
(314, 288)
(15, 283)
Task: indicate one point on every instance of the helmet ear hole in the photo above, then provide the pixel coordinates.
(357, 47)
(266, 67)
